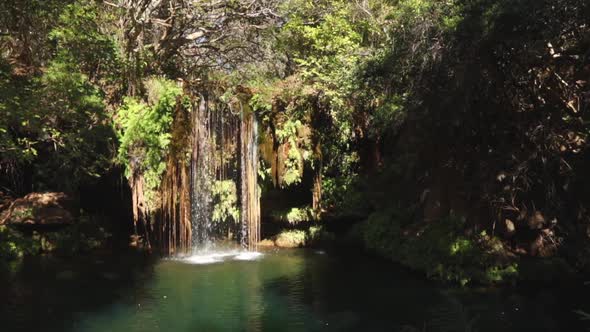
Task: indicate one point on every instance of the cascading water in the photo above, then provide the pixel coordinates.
(224, 154)
(201, 175)
(209, 189)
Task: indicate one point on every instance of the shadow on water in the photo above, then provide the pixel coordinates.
(49, 293)
(284, 290)
(368, 295)
(347, 297)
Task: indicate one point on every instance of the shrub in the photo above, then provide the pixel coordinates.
(15, 245)
(440, 249)
(295, 215)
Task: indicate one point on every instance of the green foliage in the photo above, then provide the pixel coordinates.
(446, 14)
(17, 116)
(75, 112)
(326, 54)
(25, 25)
(59, 116)
(225, 202)
(53, 118)
(81, 42)
(144, 132)
(294, 163)
(439, 249)
(324, 50)
(293, 167)
(345, 195)
(387, 115)
(295, 215)
(261, 104)
(14, 245)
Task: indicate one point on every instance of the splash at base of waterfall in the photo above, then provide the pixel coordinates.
(219, 257)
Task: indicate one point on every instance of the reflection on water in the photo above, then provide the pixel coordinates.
(286, 290)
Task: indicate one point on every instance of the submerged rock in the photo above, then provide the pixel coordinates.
(42, 209)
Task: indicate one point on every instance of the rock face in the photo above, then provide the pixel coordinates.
(49, 208)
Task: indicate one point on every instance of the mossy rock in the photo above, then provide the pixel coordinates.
(40, 209)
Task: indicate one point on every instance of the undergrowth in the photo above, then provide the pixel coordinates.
(440, 249)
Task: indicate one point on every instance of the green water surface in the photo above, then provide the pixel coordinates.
(283, 290)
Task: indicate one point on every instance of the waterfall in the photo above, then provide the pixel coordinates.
(201, 175)
(209, 188)
(224, 154)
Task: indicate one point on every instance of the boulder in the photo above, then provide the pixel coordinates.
(40, 209)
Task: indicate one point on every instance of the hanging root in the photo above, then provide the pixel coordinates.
(249, 172)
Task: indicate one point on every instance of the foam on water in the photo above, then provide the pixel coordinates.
(218, 257)
(248, 256)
